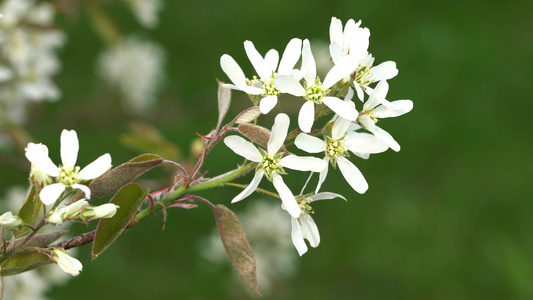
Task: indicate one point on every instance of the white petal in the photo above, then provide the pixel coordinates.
(378, 94)
(353, 176)
(306, 117)
(359, 43)
(287, 198)
(322, 176)
(252, 90)
(310, 230)
(393, 109)
(50, 193)
(336, 53)
(339, 128)
(289, 84)
(298, 237)
(267, 104)
(386, 138)
(345, 67)
(326, 196)
(232, 69)
(308, 63)
(37, 154)
(366, 122)
(309, 144)
(96, 168)
(303, 163)
(278, 134)
(250, 188)
(342, 108)
(242, 147)
(290, 57)
(271, 62)
(360, 92)
(335, 31)
(85, 189)
(365, 143)
(256, 59)
(69, 148)
(384, 71)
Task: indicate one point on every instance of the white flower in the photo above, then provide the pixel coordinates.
(304, 227)
(366, 74)
(314, 91)
(336, 149)
(103, 211)
(134, 67)
(66, 262)
(68, 174)
(271, 163)
(38, 176)
(266, 70)
(377, 107)
(146, 11)
(10, 221)
(57, 216)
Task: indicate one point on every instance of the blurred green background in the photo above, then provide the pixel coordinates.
(447, 217)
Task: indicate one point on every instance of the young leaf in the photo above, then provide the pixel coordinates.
(257, 134)
(29, 212)
(129, 199)
(122, 175)
(236, 245)
(39, 240)
(224, 100)
(22, 262)
(247, 115)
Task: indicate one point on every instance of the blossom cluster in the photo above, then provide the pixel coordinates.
(28, 38)
(350, 130)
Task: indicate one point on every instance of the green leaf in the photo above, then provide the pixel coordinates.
(118, 177)
(236, 245)
(22, 262)
(129, 199)
(29, 212)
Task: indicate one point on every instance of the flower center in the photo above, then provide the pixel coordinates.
(305, 206)
(268, 87)
(334, 149)
(364, 76)
(68, 176)
(270, 165)
(315, 92)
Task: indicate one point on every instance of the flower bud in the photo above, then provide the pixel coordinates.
(103, 211)
(55, 217)
(58, 216)
(9, 221)
(37, 175)
(66, 262)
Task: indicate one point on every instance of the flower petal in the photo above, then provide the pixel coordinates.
(322, 175)
(252, 90)
(310, 230)
(271, 62)
(37, 154)
(306, 117)
(336, 53)
(50, 193)
(69, 148)
(287, 198)
(308, 63)
(250, 188)
(378, 94)
(96, 168)
(303, 163)
(353, 176)
(267, 104)
(290, 57)
(386, 138)
(85, 189)
(326, 196)
(298, 237)
(242, 147)
(309, 144)
(256, 59)
(344, 68)
(278, 133)
(364, 143)
(384, 71)
(232, 69)
(289, 84)
(340, 127)
(344, 109)
(393, 109)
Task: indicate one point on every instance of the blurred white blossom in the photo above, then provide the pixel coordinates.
(25, 286)
(134, 67)
(146, 11)
(27, 59)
